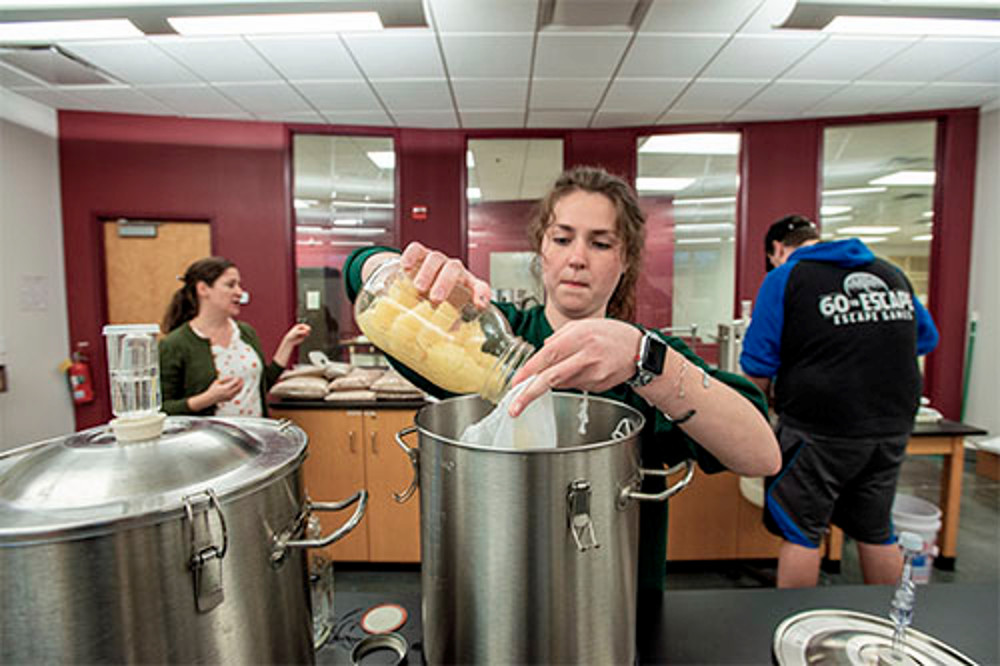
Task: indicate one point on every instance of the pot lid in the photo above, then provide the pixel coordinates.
(89, 480)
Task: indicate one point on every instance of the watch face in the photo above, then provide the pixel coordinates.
(654, 355)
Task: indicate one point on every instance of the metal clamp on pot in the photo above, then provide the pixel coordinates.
(284, 539)
(629, 493)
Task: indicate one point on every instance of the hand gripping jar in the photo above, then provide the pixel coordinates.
(455, 345)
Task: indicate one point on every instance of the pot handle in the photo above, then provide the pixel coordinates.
(414, 456)
(629, 494)
(283, 541)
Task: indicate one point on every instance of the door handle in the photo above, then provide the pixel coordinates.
(350, 442)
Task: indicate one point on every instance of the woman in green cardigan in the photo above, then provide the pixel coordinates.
(589, 235)
(210, 363)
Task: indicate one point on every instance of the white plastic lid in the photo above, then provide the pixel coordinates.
(120, 329)
(383, 618)
(911, 541)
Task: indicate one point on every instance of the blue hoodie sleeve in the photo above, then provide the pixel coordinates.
(927, 333)
(761, 354)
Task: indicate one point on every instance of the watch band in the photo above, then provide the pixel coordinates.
(649, 361)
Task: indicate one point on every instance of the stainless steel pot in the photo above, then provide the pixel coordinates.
(530, 556)
(181, 549)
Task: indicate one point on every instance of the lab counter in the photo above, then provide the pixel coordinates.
(735, 626)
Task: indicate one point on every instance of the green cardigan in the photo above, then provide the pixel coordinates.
(187, 368)
(662, 443)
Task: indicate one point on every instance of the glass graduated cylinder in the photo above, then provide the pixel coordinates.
(134, 369)
(454, 345)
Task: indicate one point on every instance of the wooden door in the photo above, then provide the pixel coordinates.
(141, 272)
(395, 527)
(334, 470)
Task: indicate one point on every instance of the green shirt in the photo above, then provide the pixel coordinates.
(661, 442)
(187, 368)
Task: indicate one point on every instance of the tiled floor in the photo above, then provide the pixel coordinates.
(978, 545)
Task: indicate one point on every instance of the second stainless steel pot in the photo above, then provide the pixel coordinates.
(530, 556)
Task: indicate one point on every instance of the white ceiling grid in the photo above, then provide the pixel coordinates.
(485, 63)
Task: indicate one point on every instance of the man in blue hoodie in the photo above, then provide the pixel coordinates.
(837, 332)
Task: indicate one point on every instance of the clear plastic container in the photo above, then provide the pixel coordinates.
(455, 345)
(134, 369)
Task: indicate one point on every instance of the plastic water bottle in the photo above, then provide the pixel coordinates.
(901, 612)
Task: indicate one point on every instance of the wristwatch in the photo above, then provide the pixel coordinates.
(649, 361)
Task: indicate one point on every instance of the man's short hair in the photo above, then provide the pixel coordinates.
(791, 230)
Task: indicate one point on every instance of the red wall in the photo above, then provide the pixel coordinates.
(232, 174)
(236, 175)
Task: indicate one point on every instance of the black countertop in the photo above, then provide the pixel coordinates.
(736, 626)
(945, 428)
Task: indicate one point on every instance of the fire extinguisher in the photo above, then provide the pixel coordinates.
(81, 386)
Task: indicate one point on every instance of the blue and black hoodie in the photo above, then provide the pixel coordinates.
(839, 331)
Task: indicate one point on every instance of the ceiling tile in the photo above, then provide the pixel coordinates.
(860, 97)
(983, 70)
(690, 117)
(659, 55)
(643, 95)
(697, 15)
(583, 55)
(340, 95)
(743, 115)
(623, 118)
(118, 99)
(791, 97)
(305, 57)
(406, 53)
(338, 117)
(538, 118)
(235, 115)
(426, 118)
(768, 14)
(13, 79)
(759, 56)
(473, 119)
(56, 100)
(484, 15)
(846, 58)
(719, 96)
(260, 98)
(414, 95)
(931, 58)
(138, 62)
(491, 94)
(487, 56)
(193, 99)
(948, 95)
(291, 117)
(219, 60)
(566, 93)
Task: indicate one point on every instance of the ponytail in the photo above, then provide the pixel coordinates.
(184, 304)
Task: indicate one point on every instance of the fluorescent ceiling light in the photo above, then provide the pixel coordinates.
(837, 219)
(306, 203)
(693, 143)
(704, 200)
(305, 229)
(859, 230)
(698, 241)
(834, 210)
(662, 184)
(717, 227)
(923, 237)
(927, 213)
(896, 25)
(473, 193)
(339, 243)
(853, 190)
(827, 235)
(50, 31)
(914, 178)
(871, 240)
(347, 222)
(361, 204)
(470, 160)
(276, 24)
(383, 159)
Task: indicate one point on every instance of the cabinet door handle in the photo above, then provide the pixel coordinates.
(350, 441)
(374, 447)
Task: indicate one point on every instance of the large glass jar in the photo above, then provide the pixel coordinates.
(455, 345)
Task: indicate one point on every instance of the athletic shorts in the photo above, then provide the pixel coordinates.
(848, 482)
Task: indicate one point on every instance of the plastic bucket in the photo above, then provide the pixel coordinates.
(912, 514)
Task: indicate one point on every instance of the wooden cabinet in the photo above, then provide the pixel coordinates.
(351, 449)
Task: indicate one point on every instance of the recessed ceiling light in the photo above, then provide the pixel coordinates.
(837, 219)
(853, 190)
(927, 213)
(717, 227)
(922, 237)
(698, 241)
(704, 200)
(276, 24)
(897, 25)
(867, 230)
(470, 160)
(871, 240)
(306, 203)
(912, 178)
(49, 31)
(693, 143)
(834, 210)
(361, 204)
(383, 159)
(473, 193)
(662, 184)
(347, 222)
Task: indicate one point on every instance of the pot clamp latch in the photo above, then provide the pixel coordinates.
(580, 524)
(206, 550)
